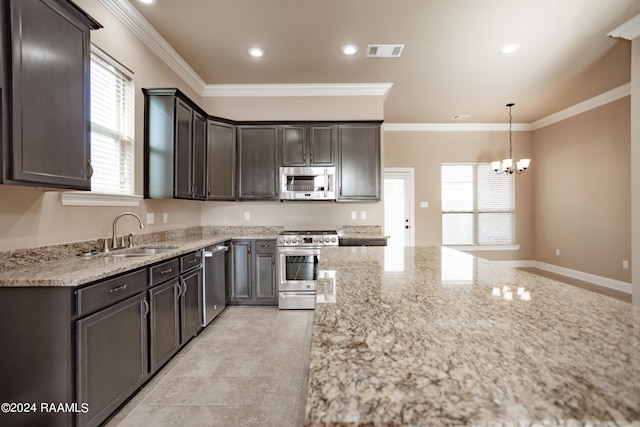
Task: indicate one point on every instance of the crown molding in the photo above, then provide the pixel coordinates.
(138, 25)
(583, 107)
(455, 127)
(302, 89)
(629, 30)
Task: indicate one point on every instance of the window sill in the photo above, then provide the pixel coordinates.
(87, 198)
(484, 248)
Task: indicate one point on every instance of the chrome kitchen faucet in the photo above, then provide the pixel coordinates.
(114, 239)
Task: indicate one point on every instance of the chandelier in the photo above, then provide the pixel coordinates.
(507, 165)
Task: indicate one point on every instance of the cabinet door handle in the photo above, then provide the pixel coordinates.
(145, 309)
(118, 288)
(179, 289)
(89, 169)
(184, 288)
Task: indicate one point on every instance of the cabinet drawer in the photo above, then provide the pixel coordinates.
(265, 245)
(189, 261)
(110, 291)
(165, 271)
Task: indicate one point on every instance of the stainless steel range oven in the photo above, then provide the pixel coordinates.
(299, 258)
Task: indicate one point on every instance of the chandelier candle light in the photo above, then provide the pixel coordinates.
(506, 166)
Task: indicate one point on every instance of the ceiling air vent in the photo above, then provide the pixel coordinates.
(384, 50)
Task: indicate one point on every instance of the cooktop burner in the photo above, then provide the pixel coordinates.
(308, 238)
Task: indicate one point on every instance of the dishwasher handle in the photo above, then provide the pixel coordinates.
(215, 250)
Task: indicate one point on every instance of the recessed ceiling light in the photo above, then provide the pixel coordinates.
(256, 52)
(146, 1)
(461, 117)
(349, 49)
(509, 48)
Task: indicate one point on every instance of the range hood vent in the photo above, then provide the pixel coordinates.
(384, 50)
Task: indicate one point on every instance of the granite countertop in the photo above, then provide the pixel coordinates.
(72, 270)
(415, 337)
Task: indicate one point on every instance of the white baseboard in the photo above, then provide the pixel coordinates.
(574, 274)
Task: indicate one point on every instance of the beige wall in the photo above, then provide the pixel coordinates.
(582, 192)
(425, 151)
(296, 108)
(635, 169)
(32, 217)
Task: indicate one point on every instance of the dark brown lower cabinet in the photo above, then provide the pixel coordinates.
(190, 304)
(91, 348)
(38, 351)
(165, 323)
(253, 273)
(241, 268)
(112, 358)
(176, 306)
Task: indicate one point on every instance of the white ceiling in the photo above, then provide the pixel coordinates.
(450, 64)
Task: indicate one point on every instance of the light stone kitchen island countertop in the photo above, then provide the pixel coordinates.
(74, 271)
(414, 337)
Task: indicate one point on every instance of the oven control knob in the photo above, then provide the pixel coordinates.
(333, 239)
(288, 240)
(326, 239)
(294, 240)
(282, 240)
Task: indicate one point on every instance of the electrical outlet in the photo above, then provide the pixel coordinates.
(625, 264)
(363, 215)
(151, 217)
(165, 217)
(424, 204)
(557, 252)
(354, 215)
(247, 215)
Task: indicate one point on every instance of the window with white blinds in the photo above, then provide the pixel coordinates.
(112, 125)
(477, 205)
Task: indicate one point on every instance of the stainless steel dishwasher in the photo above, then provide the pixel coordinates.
(214, 282)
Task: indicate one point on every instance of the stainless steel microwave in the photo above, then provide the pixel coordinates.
(307, 183)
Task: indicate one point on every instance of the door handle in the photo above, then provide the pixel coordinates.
(145, 310)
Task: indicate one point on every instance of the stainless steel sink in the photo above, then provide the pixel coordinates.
(146, 251)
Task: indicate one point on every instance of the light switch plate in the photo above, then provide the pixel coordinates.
(151, 217)
(165, 217)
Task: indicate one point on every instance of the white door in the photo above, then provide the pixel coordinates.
(398, 206)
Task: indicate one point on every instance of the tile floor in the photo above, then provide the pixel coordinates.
(248, 368)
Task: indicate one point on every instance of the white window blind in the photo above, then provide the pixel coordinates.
(477, 205)
(112, 125)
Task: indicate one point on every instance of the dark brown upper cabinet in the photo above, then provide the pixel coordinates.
(221, 161)
(257, 162)
(175, 146)
(359, 166)
(45, 94)
(308, 144)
